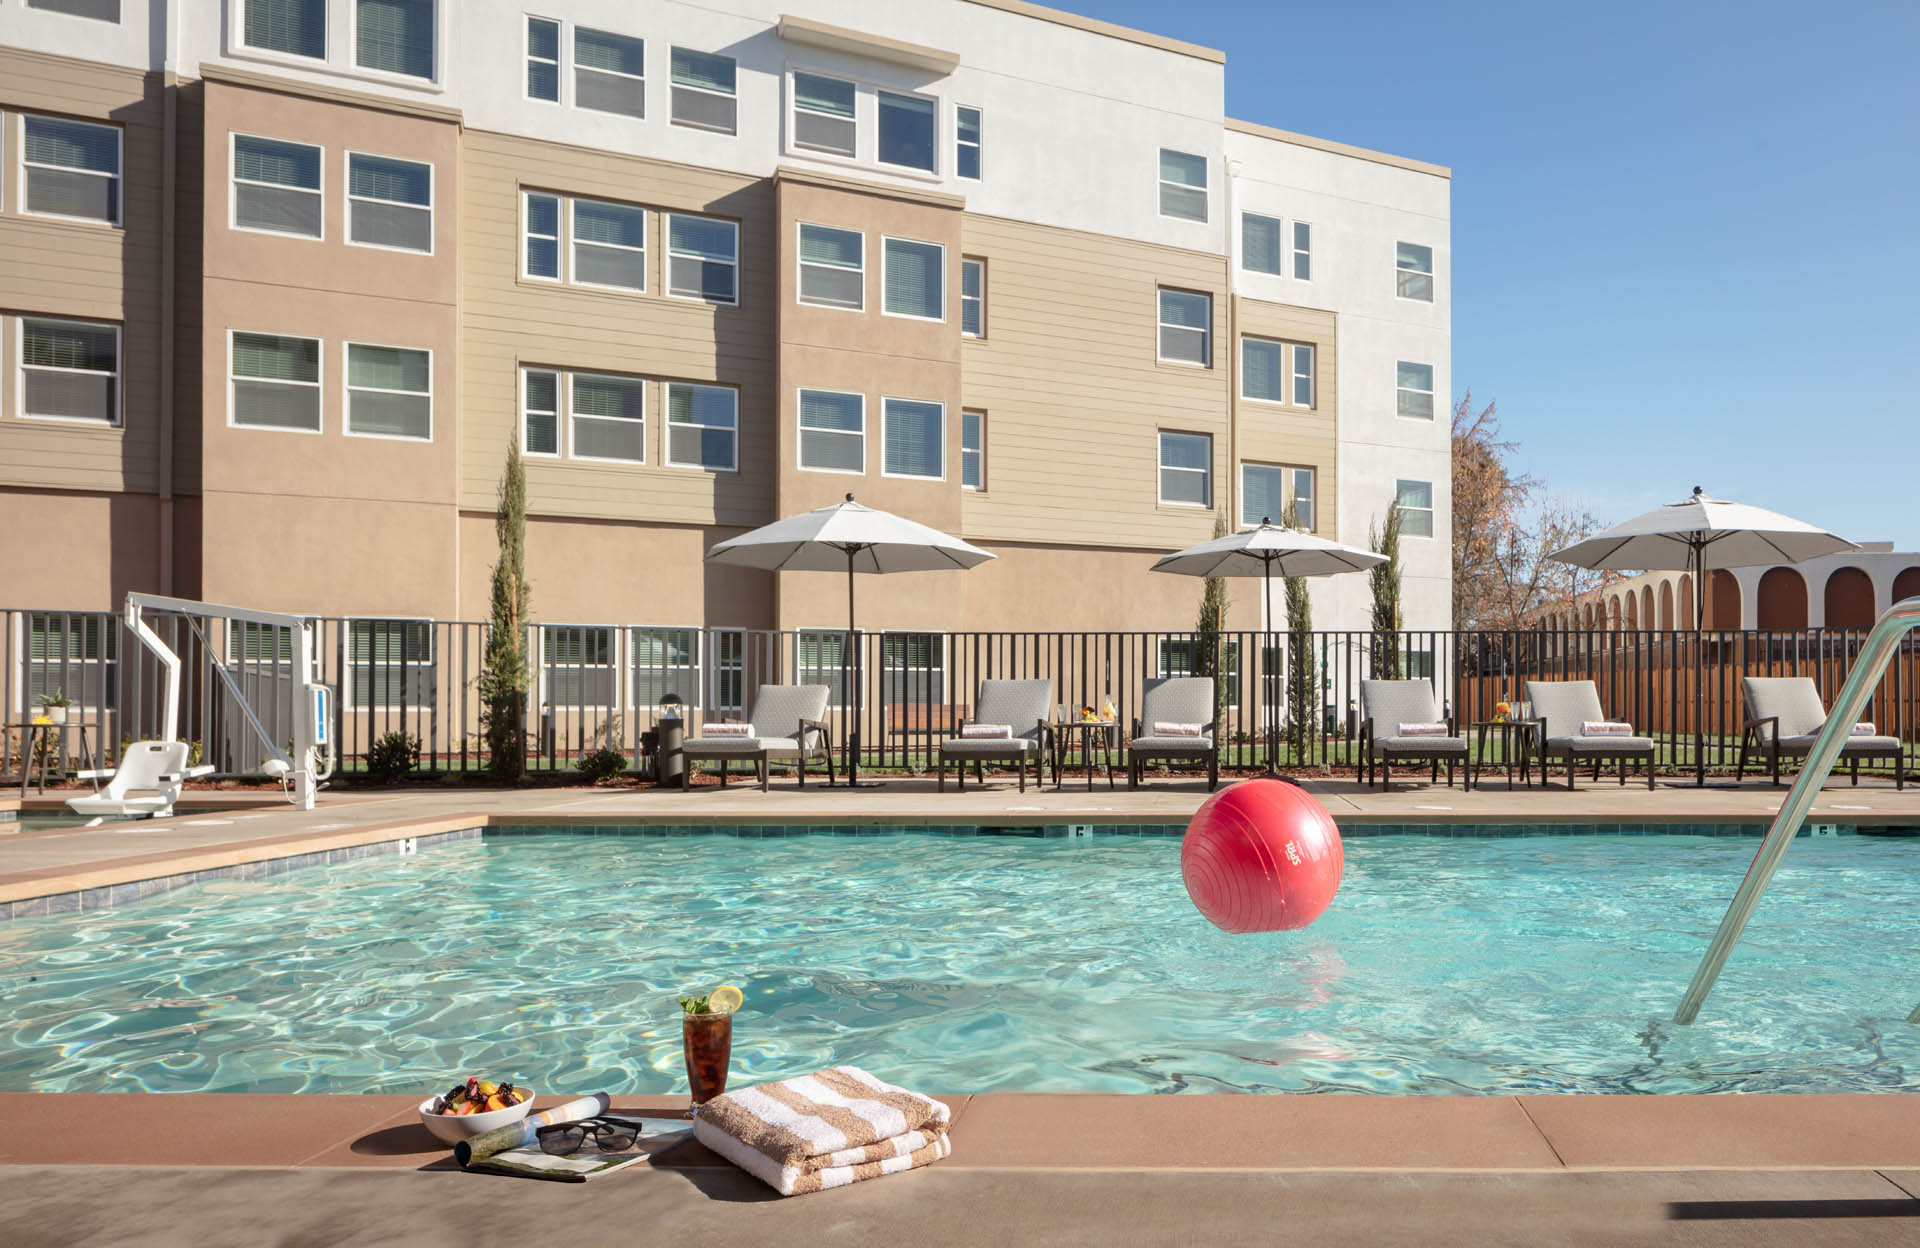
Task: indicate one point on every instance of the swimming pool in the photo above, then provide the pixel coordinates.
(1446, 965)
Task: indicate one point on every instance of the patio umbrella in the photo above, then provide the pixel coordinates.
(1266, 551)
(851, 538)
(1696, 535)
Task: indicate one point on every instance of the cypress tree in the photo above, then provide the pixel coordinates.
(503, 678)
(1385, 540)
(1302, 684)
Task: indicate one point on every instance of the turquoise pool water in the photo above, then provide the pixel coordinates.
(1446, 965)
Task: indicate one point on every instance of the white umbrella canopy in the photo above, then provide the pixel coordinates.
(848, 537)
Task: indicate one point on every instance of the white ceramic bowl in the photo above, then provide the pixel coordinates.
(449, 1129)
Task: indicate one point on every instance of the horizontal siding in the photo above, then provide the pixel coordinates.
(94, 272)
(1283, 434)
(1073, 393)
(506, 322)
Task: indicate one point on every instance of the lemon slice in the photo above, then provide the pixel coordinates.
(725, 999)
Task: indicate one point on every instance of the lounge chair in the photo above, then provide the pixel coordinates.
(1176, 700)
(1387, 705)
(1785, 715)
(1561, 711)
(789, 723)
(146, 784)
(1021, 705)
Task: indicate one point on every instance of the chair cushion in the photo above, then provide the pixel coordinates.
(1599, 745)
(1851, 745)
(1419, 745)
(1157, 743)
(740, 745)
(990, 747)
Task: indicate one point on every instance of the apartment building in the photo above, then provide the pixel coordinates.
(280, 280)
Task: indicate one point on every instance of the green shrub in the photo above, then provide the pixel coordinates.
(392, 756)
(602, 765)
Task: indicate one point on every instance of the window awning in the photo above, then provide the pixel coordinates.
(873, 47)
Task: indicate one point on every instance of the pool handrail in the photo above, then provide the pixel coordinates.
(1883, 641)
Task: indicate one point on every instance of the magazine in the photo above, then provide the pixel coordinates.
(654, 1136)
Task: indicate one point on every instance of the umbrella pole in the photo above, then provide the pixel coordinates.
(1266, 651)
(1699, 554)
(849, 660)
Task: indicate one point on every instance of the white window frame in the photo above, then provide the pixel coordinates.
(793, 143)
(347, 388)
(614, 640)
(978, 145)
(673, 87)
(980, 300)
(938, 692)
(799, 448)
(645, 422)
(21, 366)
(1295, 252)
(1280, 236)
(697, 697)
(388, 75)
(1289, 490)
(237, 23)
(559, 60)
(1400, 390)
(667, 426)
(714, 663)
(430, 207)
(569, 90)
(909, 316)
(941, 441)
(1428, 511)
(1430, 273)
(1160, 325)
(1230, 652)
(320, 385)
(18, 130)
(666, 272)
(978, 452)
(933, 152)
(234, 180)
(39, 6)
(1160, 461)
(559, 234)
(559, 412)
(349, 682)
(571, 265)
(1205, 188)
(801, 263)
(1284, 375)
(1295, 376)
(830, 676)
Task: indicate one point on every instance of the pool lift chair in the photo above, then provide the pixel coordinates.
(147, 782)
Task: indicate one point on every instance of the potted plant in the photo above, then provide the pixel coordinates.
(55, 705)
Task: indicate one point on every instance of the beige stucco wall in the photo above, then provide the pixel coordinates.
(76, 552)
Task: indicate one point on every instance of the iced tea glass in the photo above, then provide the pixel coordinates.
(708, 1039)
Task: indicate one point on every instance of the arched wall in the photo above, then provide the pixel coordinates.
(1686, 600)
(1666, 605)
(1783, 599)
(1849, 599)
(1723, 599)
(1907, 584)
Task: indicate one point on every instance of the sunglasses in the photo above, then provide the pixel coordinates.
(607, 1135)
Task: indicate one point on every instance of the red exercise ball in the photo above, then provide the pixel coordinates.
(1262, 856)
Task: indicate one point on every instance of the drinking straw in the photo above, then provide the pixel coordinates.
(519, 1134)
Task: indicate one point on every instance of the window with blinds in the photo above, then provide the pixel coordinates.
(1180, 656)
(973, 297)
(75, 654)
(913, 279)
(543, 59)
(703, 427)
(390, 665)
(823, 118)
(726, 669)
(703, 258)
(833, 431)
(607, 417)
(973, 450)
(1267, 490)
(1186, 469)
(389, 392)
(703, 91)
(833, 270)
(664, 661)
(609, 245)
(276, 186)
(1186, 327)
(1414, 389)
(1262, 370)
(578, 667)
(966, 142)
(914, 439)
(274, 382)
(70, 371)
(913, 669)
(389, 203)
(98, 10)
(543, 236)
(1259, 243)
(1183, 185)
(906, 131)
(1413, 271)
(540, 411)
(609, 72)
(394, 37)
(821, 658)
(292, 27)
(71, 169)
(1416, 507)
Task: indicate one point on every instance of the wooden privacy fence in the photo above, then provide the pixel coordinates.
(603, 685)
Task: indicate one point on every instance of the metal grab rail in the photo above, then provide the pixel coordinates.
(1881, 644)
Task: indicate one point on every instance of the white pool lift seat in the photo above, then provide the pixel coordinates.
(145, 785)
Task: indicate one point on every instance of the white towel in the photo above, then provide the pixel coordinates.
(1162, 728)
(1605, 728)
(828, 1129)
(1423, 730)
(989, 731)
(728, 730)
(1863, 729)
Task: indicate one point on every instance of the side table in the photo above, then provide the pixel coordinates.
(1106, 731)
(1516, 745)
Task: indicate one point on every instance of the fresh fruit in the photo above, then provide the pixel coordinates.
(479, 1096)
(722, 1000)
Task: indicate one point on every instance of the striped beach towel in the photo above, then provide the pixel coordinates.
(827, 1129)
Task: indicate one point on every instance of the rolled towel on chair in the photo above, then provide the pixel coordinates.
(1605, 728)
(1864, 729)
(828, 1129)
(727, 730)
(1422, 730)
(990, 731)
(1162, 728)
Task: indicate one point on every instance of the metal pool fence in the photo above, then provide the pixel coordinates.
(603, 685)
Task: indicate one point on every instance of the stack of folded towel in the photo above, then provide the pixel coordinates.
(987, 731)
(1605, 728)
(728, 730)
(1423, 730)
(1161, 728)
(1863, 729)
(828, 1129)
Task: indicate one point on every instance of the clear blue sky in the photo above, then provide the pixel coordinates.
(1686, 236)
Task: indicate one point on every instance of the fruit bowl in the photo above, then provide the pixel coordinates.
(451, 1129)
